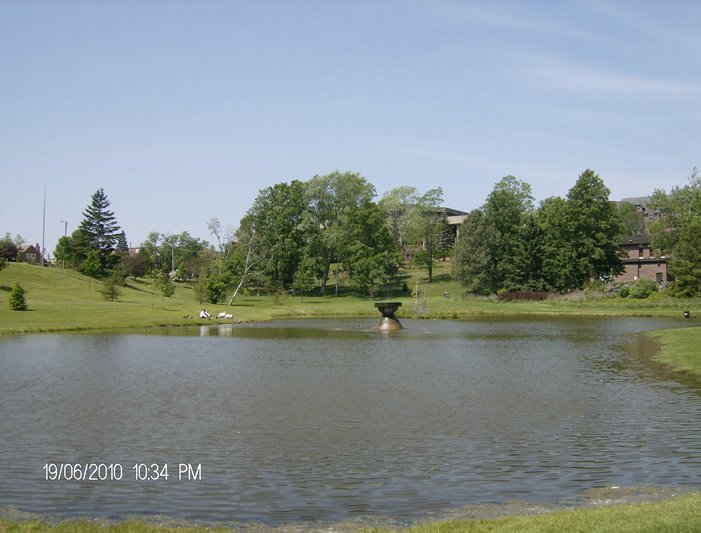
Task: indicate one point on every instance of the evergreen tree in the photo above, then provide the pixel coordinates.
(99, 230)
(472, 263)
(122, 246)
(17, 300)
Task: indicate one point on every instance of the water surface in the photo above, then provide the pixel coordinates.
(329, 420)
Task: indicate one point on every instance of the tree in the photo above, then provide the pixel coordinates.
(492, 252)
(64, 251)
(98, 231)
(122, 247)
(112, 283)
(557, 250)
(8, 248)
(676, 233)
(138, 264)
(632, 220)
(3, 263)
(594, 225)
(165, 285)
(506, 210)
(241, 268)
(305, 275)
(278, 219)
(371, 253)
(429, 225)
(399, 203)
(91, 266)
(331, 200)
(472, 259)
(17, 299)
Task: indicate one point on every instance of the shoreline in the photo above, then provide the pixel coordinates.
(597, 510)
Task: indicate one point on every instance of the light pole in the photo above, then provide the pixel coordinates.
(65, 234)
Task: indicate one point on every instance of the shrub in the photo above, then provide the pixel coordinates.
(685, 287)
(16, 300)
(639, 289)
(510, 296)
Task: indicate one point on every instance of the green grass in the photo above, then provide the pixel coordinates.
(680, 349)
(682, 513)
(64, 300)
(676, 514)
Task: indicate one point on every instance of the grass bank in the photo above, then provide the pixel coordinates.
(680, 349)
(679, 513)
(65, 300)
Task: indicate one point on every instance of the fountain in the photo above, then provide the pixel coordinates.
(388, 322)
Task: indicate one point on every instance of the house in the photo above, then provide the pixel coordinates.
(641, 262)
(29, 253)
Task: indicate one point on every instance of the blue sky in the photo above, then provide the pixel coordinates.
(183, 110)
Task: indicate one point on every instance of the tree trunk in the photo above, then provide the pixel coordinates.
(325, 276)
(247, 266)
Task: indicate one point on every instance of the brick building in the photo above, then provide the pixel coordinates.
(641, 262)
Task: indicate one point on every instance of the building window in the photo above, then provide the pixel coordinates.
(640, 252)
(658, 277)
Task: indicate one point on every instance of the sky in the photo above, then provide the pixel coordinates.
(183, 110)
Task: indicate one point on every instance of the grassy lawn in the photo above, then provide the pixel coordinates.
(680, 349)
(64, 300)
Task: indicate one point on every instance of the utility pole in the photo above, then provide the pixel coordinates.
(43, 229)
(65, 234)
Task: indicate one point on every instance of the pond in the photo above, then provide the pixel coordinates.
(329, 420)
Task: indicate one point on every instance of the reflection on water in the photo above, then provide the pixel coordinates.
(328, 420)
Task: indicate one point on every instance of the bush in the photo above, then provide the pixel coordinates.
(16, 300)
(510, 296)
(684, 287)
(639, 289)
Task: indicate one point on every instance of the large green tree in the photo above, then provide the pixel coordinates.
(492, 251)
(677, 233)
(372, 258)
(332, 200)
(98, 231)
(472, 260)
(594, 225)
(554, 246)
(278, 218)
(506, 210)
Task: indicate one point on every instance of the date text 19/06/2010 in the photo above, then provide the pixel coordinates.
(116, 472)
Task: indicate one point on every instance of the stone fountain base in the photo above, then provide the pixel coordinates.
(388, 322)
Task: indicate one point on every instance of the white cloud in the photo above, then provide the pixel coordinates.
(555, 73)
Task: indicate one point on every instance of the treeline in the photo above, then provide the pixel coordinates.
(330, 232)
(302, 236)
(508, 245)
(297, 236)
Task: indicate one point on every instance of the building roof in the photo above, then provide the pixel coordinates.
(636, 240)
